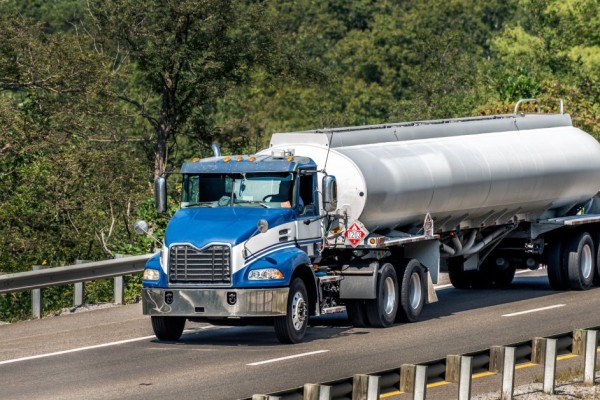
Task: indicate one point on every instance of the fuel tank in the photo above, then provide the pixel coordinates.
(471, 180)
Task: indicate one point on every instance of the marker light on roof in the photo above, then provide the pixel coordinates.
(252, 159)
(227, 159)
(240, 158)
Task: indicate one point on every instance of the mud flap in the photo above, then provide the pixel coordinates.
(431, 295)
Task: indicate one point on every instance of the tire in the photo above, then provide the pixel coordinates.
(504, 277)
(554, 263)
(412, 292)
(357, 313)
(291, 328)
(579, 258)
(493, 274)
(459, 278)
(167, 328)
(596, 279)
(381, 312)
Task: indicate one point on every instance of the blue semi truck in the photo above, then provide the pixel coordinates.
(360, 219)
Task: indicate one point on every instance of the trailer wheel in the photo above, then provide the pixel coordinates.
(291, 328)
(459, 278)
(596, 280)
(554, 263)
(579, 258)
(381, 312)
(497, 270)
(167, 328)
(412, 293)
(357, 313)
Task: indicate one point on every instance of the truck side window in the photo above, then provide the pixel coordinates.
(307, 194)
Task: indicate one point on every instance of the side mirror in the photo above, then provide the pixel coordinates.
(329, 193)
(160, 194)
(262, 225)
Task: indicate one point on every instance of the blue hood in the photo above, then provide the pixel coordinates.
(201, 226)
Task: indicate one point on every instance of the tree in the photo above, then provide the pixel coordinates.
(187, 54)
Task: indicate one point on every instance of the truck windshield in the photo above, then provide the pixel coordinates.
(268, 190)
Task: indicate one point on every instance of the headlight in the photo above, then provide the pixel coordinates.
(265, 274)
(151, 275)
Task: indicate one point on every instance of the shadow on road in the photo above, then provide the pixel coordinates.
(451, 301)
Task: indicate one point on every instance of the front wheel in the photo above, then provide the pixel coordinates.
(381, 312)
(291, 328)
(167, 328)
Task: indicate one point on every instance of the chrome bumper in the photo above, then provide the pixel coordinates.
(215, 302)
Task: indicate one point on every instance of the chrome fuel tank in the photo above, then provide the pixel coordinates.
(467, 180)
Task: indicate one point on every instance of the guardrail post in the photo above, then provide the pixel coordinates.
(413, 379)
(264, 397)
(314, 391)
(458, 370)
(119, 288)
(78, 289)
(365, 387)
(36, 298)
(502, 360)
(543, 351)
(585, 344)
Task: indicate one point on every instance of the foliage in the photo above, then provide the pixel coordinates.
(97, 97)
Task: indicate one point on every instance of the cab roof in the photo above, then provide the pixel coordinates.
(243, 164)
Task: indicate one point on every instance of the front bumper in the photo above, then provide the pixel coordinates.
(215, 302)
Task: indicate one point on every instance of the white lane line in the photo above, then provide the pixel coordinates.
(288, 357)
(534, 310)
(58, 353)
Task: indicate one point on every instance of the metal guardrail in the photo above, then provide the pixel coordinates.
(459, 370)
(72, 274)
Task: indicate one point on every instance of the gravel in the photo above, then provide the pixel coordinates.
(565, 391)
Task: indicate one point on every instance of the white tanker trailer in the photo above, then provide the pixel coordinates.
(360, 219)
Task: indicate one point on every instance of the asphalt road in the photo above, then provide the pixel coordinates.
(111, 353)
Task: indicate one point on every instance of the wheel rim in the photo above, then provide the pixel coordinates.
(298, 311)
(389, 296)
(586, 261)
(415, 290)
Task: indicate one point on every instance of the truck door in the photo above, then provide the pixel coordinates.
(308, 225)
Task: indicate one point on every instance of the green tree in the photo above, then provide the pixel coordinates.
(187, 55)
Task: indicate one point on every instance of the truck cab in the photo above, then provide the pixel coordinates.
(241, 246)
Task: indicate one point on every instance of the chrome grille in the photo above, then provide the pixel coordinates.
(211, 265)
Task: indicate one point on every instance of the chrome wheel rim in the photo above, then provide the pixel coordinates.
(389, 299)
(415, 290)
(298, 311)
(586, 261)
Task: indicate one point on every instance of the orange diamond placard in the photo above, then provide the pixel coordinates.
(355, 234)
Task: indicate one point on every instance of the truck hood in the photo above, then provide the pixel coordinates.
(201, 226)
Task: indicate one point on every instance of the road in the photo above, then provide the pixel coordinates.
(111, 353)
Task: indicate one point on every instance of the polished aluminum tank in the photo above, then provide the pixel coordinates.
(355, 135)
(468, 180)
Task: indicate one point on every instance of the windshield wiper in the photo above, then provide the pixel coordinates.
(205, 204)
(262, 204)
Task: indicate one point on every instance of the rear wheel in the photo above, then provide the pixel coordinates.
(381, 312)
(597, 272)
(412, 292)
(167, 328)
(460, 278)
(579, 258)
(497, 270)
(292, 327)
(554, 262)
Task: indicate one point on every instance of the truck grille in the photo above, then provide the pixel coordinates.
(211, 265)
